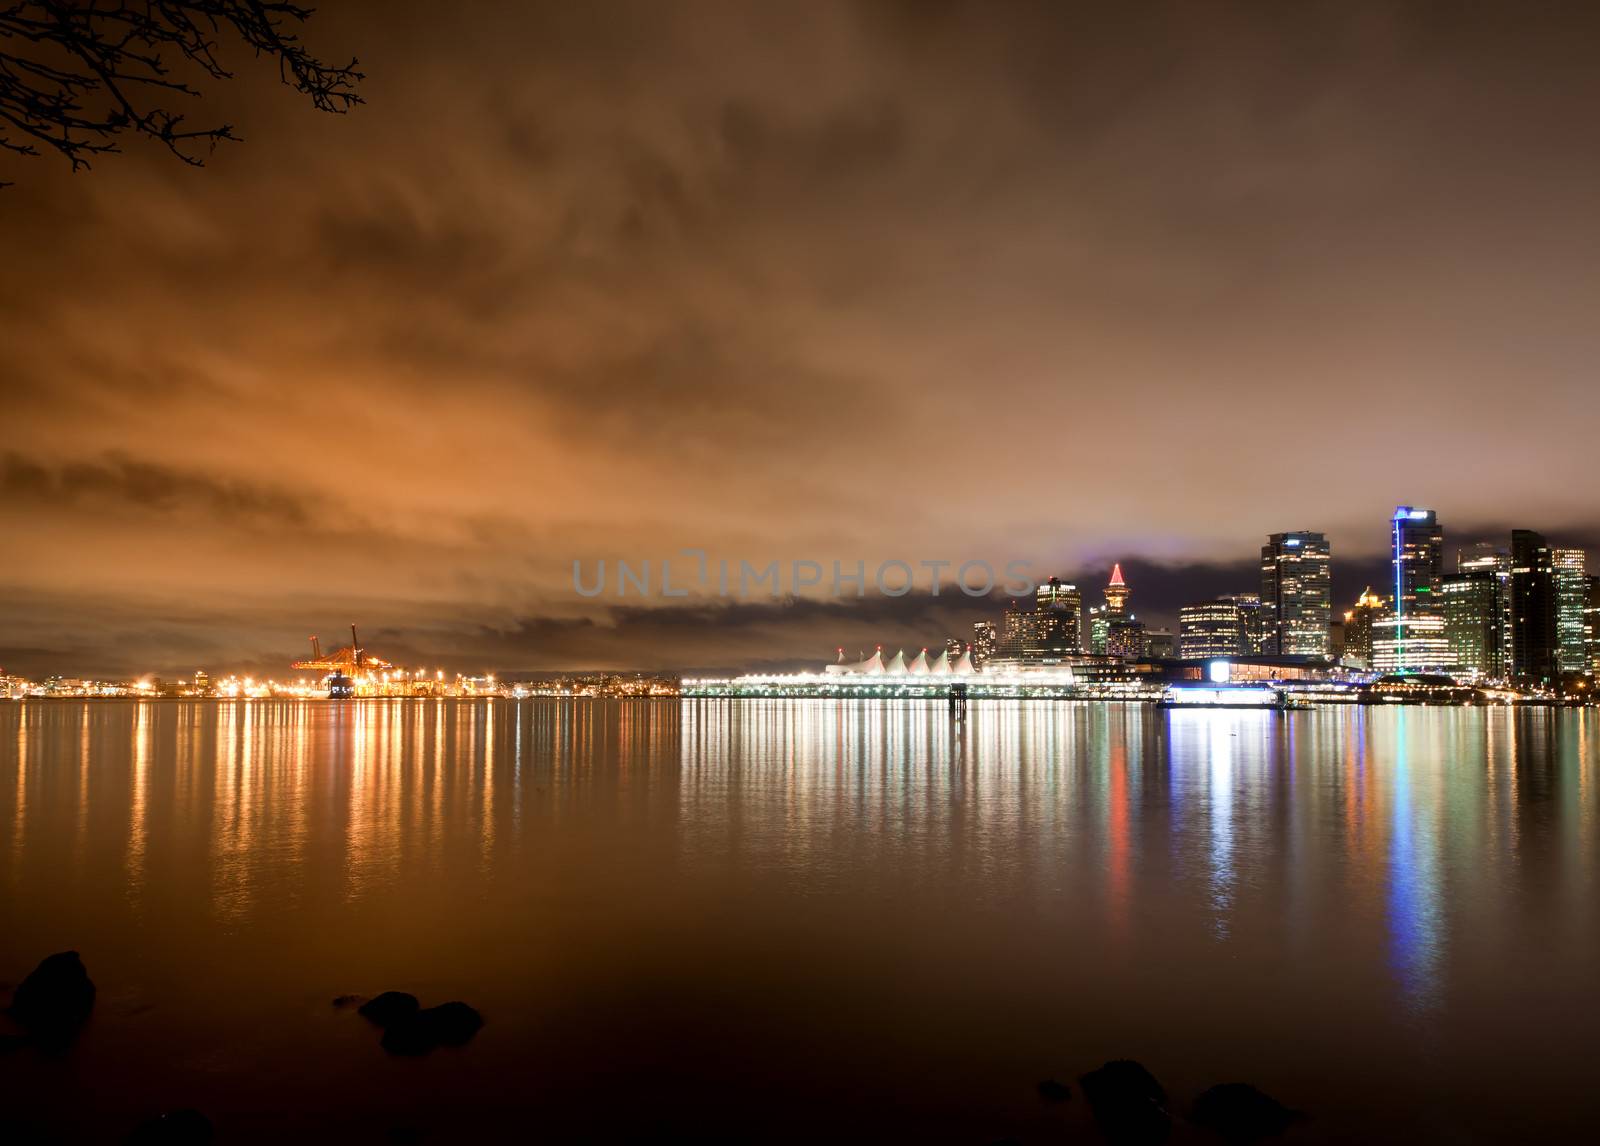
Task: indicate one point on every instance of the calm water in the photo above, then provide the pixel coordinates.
(804, 921)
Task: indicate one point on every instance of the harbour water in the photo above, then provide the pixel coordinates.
(804, 920)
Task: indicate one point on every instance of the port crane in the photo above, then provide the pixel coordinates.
(351, 660)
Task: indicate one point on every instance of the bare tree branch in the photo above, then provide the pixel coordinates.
(76, 75)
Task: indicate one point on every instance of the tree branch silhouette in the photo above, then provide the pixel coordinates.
(76, 75)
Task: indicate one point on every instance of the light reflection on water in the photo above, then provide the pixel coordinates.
(1365, 883)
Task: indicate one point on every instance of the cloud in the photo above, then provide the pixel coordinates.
(1066, 284)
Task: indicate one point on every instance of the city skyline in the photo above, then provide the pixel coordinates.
(877, 620)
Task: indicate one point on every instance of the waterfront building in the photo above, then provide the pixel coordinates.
(984, 642)
(1359, 621)
(1572, 593)
(953, 648)
(1533, 609)
(1296, 588)
(1471, 606)
(1413, 643)
(1486, 557)
(1211, 629)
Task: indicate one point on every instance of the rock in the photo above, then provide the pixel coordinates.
(176, 1128)
(342, 1001)
(1241, 1113)
(449, 1025)
(55, 1000)
(1129, 1104)
(390, 1008)
(1052, 1091)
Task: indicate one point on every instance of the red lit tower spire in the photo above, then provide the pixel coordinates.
(1117, 592)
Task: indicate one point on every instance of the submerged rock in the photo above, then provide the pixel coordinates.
(389, 1008)
(55, 1000)
(1129, 1104)
(449, 1025)
(1052, 1091)
(342, 1001)
(176, 1128)
(1241, 1113)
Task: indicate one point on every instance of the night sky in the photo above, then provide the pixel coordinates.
(1059, 283)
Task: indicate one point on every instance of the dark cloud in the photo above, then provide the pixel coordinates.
(119, 485)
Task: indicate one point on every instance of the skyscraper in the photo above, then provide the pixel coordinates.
(1572, 592)
(1417, 558)
(1412, 637)
(1011, 648)
(984, 642)
(1471, 606)
(1249, 605)
(1124, 637)
(1211, 629)
(1061, 606)
(1533, 609)
(1591, 625)
(1296, 588)
(1486, 557)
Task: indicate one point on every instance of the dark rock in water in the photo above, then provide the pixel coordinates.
(54, 1001)
(1129, 1104)
(447, 1025)
(390, 1008)
(1052, 1091)
(1241, 1113)
(343, 1001)
(177, 1128)
(455, 1023)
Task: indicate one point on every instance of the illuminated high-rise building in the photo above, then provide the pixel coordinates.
(1533, 609)
(1471, 604)
(1572, 594)
(1416, 559)
(984, 642)
(1062, 605)
(1011, 650)
(1486, 557)
(1359, 621)
(1249, 605)
(1099, 625)
(1591, 625)
(1117, 592)
(1124, 637)
(1211, 629)
(1296, 589)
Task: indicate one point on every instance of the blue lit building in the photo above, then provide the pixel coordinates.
(1413, 637)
